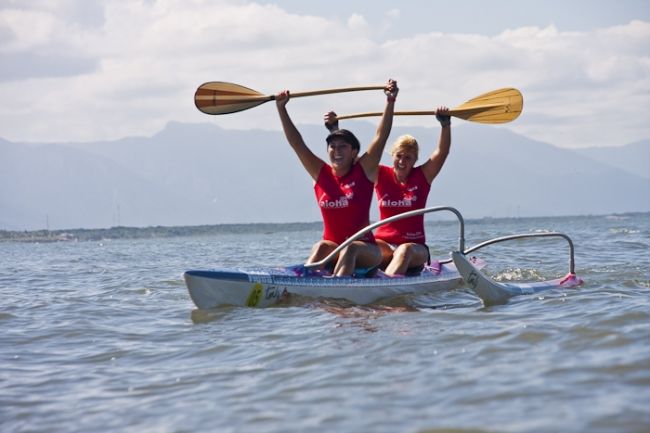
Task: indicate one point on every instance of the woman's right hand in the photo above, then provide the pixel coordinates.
(331, 122)
(282, 98)
(442, 114)
(391, 90)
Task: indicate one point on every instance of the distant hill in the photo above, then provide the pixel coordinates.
(634, 158)
(193, 174)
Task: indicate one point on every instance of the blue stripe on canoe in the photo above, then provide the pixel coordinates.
(219, 275)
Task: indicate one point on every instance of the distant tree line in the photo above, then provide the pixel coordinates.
(148, 232)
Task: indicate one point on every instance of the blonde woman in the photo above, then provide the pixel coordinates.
(404, 187)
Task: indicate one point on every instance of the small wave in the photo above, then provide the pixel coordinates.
(623, 230)
(617, 217)
(518, 274)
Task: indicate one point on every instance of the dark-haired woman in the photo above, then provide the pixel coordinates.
(344, 187)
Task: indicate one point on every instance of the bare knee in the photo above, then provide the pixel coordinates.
(321, 249)
(403, 252)
(357, 255)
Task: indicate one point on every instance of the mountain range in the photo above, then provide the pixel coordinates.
(191, 174)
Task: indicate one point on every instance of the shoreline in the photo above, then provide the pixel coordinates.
(122, 232)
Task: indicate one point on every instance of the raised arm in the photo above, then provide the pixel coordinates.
(432, 166)
(370, 159)
(309, 160)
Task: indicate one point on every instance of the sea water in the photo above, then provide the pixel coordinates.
(101, 336)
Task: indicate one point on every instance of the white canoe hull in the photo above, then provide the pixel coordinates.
(263, 287)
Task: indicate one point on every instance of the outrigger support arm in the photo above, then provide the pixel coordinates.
(357, 235)
(461, 237)
(529, 235)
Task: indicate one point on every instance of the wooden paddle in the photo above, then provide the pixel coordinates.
(497, 106)
(219, 97)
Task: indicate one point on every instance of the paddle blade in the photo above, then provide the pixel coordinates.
(219, 97)
(497, 106)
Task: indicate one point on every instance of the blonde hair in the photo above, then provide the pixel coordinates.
(405, 143)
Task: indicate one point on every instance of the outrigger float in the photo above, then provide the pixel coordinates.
(267, 286)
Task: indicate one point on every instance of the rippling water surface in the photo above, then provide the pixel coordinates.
(103, 337)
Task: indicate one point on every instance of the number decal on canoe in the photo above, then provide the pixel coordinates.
(255, 295)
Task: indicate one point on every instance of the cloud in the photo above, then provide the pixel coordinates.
(24, 65)
(358, 23)
(42, 43)
(393, 13)
(111, 69)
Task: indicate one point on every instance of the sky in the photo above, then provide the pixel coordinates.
(85, 70)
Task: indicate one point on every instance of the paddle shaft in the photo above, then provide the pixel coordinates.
(335, 90)
(454, 112)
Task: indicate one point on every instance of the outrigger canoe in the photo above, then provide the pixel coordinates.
(267, 286)
(263, 287)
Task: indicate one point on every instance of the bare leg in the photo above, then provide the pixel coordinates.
(386, 253)
(320, 250)
(407, 256)
(357, 254)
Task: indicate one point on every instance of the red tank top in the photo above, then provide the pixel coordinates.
(395, 198)
(344, 203)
